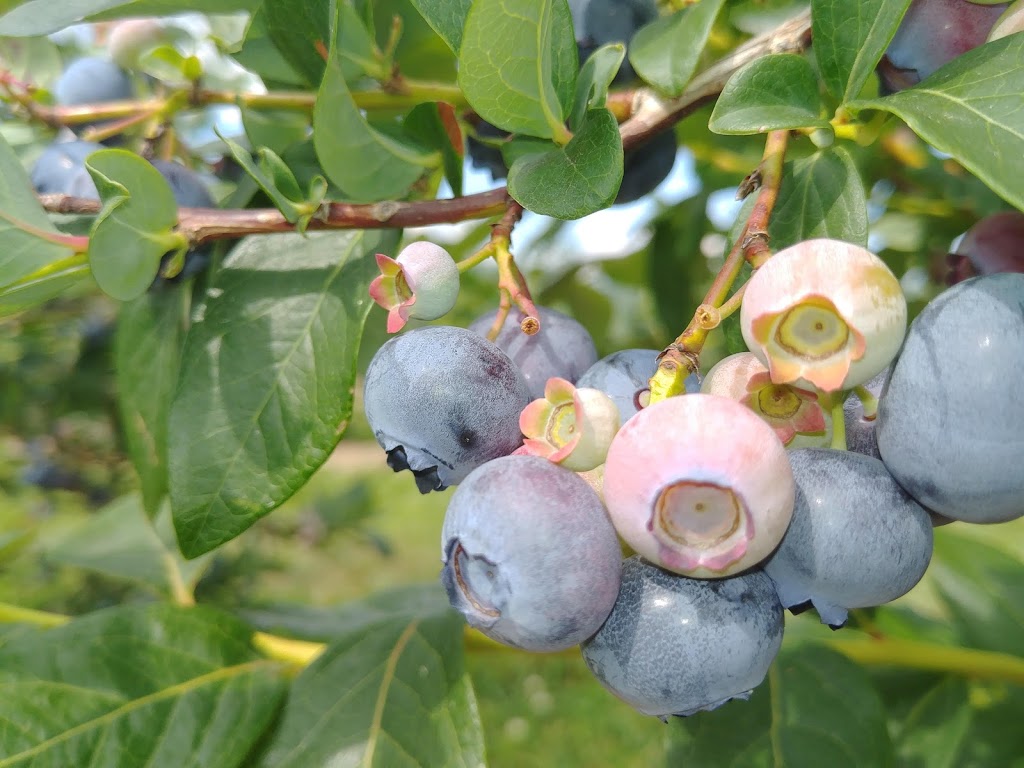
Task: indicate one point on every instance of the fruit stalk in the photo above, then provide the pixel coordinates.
(511, 283)
(682, 356)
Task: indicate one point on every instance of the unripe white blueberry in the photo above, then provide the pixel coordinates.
(824, 314)
(698, 484)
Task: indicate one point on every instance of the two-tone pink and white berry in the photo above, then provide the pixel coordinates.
(422, 282)
(794, 413)
(699, 485)
(824, 314)
(569, 426)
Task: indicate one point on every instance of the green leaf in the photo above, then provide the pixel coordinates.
(394, 693)
(434, 125)
(134, 229)
(266, 379)
(850, 38)
(518, 63)
(300, 30)
(323, 624)
(123, 542)
(571, 181)
(937, 728)
(154, 684)
(821, 196)
(274, 129)
(971, 109)
(284, 199)
(368, 165)
(41, 17)
(446, 17)
(594, 80)
(260, 55)
(147, 355)
(665, 52)
(25, 230)
(816, 708)
(34, 59)
(981, 588)
(769, 94)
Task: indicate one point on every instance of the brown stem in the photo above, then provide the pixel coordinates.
(512, 288)
(682, 356)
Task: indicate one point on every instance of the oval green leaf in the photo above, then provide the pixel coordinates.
(147, 356)
(368, 165)
(266, 379)
(816, 708)
(161, 684)
(518, 63)
(972, 109)
(769, 94)
(394, 693)
(665, 52)
(571, 181)
(27, 252)
(850, 38)
(134, 229)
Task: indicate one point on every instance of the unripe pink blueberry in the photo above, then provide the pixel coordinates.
(699, 485)
(422, 283)
(795, 414)
(824, 314)
(569, 426)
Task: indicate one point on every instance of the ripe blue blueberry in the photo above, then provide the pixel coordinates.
(676, 646)
(646, 166)
(442, 401)
(562, 347)
(54, 173)
(530, 557)
(92, 80)
(931, 34)
(951, 417)
(857, 539)
(624, 377)
(599, 22)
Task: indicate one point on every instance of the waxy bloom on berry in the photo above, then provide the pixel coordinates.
(423, 282)
(824, 314)
(569, 426)
(794, 413)
(698, 484)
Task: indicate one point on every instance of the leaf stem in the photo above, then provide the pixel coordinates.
(296, 653)
(15, 614)
(682, 356)
(477, 258)
(917, 654)
(868, 401)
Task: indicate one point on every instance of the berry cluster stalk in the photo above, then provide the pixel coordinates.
(682, 356)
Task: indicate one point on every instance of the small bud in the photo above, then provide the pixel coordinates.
(423, 282)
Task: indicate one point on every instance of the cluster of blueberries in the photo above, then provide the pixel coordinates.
(733, 518)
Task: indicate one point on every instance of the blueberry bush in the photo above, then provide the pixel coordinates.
(511, 382)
